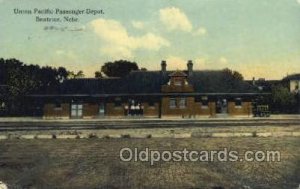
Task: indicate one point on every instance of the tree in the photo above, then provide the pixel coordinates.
(22, 79)
(233, 74)
(119, 68)
(79, 74)
(62, 74)
(282, 100)
(98, 74)
(72, 75)
(237, 76)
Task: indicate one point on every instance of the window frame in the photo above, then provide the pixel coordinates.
(118, 102)
(182, 102)
(58, 105)
(78, 108)
(2, 105)
(204, 102)
(238, 103)
(173, 105)
(151, 103)
(177, 83)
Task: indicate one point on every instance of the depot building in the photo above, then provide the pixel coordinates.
(180, 93)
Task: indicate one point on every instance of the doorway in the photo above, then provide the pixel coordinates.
(101, 109)
(76, 110)
(134, 108)
(222, 106)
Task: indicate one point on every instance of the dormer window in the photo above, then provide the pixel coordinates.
(177, 83)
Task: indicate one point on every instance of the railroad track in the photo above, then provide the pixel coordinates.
(137, 124)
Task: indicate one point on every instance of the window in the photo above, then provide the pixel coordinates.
(118, 102)
(182, 103)
(2, 105)
(151, 103)
(101, 108)
(238, 102)
(58, 105)
(177, 83)
(204, 102)
(173, 103)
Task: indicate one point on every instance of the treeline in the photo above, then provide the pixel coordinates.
(283, 100)
(18, 79)
(28, 78)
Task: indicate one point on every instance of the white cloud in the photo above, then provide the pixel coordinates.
(174, 19)
(119, 44)
(200, 31)
(137, 24)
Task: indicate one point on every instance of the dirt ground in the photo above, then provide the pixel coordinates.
(95, 163)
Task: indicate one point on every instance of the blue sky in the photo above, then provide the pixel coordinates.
(259, 38)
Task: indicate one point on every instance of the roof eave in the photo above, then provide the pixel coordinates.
(147, 94)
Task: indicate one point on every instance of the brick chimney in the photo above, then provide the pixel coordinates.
(163, 66)
(190, 67)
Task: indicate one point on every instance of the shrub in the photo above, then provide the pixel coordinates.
(149, 136)
(106, 136)
(125, 136)
(92, 135)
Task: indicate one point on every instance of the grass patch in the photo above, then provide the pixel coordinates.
(96, 164)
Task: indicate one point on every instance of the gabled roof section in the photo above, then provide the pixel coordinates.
(292, 77)
(263, 85)
(217, 81)
(178, 74)
(145, 81)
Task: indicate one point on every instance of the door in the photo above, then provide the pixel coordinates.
(221, 106)
(76, 110)
(101, 109)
